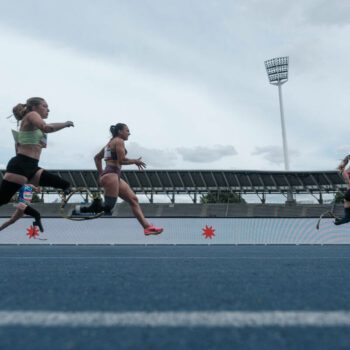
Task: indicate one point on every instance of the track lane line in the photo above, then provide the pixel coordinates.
(210, 319)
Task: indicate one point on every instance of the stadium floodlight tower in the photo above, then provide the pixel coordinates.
(277, 72)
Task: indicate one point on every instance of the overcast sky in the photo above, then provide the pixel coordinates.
(186, 76)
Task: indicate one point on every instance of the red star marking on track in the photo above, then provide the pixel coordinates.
(208, 232)
(32, 232)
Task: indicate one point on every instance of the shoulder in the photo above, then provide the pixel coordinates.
(32, 115)
(33, 118)
(32, 121)
(118, 141)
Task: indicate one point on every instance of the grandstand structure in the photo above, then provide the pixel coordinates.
(197, 182)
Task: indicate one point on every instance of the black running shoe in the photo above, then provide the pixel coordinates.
(95, 207)
(38, 224)
(108, 212)
(342, 221)
(83, 210)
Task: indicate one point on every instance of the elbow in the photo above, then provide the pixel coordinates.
(98, 158)
(47, 129)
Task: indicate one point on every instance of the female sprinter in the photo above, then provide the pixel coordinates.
(24, 199)
(114, 153)
(30, 140)
(345, 171)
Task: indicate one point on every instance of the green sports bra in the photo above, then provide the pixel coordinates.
(33, 137)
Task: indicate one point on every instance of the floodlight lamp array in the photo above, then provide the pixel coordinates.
(278, 77)
(277, 69)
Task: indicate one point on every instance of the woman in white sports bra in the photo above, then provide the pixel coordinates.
(114, 154)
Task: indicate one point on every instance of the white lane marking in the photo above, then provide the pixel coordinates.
(182, 257)
(212, 319)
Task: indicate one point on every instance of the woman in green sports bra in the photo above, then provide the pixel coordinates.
(30, 140)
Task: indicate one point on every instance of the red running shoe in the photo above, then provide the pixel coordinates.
(152, 230)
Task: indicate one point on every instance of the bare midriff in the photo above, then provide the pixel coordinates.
(32, 151)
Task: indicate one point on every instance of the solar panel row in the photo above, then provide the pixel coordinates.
(185, 181)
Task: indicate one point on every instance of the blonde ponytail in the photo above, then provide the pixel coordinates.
(19, 111)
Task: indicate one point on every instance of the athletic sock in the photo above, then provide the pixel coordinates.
(38, 224)
(36, 215)
(109, 204)
(32, 212)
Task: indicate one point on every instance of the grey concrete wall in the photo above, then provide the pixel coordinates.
(181, 231)
(197, 210)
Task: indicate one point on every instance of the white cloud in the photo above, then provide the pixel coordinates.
(273, 154)
(154, 158)
(202, 154)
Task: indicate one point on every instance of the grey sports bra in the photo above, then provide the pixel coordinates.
(110, 154)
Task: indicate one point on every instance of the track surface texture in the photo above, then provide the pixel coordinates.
(174, 297)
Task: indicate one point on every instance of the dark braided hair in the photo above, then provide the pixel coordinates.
(114, 129)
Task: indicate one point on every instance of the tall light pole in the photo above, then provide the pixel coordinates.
(277, 72)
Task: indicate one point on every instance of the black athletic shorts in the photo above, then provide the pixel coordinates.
(23, 165)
